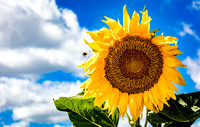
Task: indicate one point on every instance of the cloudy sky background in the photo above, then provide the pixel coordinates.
(41, 44)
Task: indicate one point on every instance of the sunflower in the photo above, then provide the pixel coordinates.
(131, 68)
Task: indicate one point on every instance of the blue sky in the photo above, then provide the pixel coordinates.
(41, 44)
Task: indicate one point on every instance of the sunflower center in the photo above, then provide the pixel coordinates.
(133, 64)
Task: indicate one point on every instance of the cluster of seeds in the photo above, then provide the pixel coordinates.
(133, 64)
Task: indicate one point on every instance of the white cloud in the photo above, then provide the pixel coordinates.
(37, 37)
(57, 126)
(196, 5)
(33, 102)
(18, 124)
(193, 69)
(123, 123)
(188, 30)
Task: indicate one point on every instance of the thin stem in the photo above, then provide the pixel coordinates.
(145, 125)
(129, 119)
(138, 121)
(131, 122)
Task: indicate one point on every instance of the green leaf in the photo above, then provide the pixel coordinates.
(182, 111)
(153, 33)
(82, 112)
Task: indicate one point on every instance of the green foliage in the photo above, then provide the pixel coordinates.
(82, 112)
(153, 33)
(182, 112)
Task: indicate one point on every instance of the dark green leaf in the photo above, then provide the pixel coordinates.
(182, 112)
(153, 33)
(82, 112)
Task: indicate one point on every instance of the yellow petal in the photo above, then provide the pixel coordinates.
(104, 46)
(113, 99)
(112, 108)
(94, 63)
(141, 104)
(172, 53)
(172, 87)
(126, 20)
(123, 101)
(89, 72)
(99, 65)
(134, 23)
(97, 74)
(162, 40)
(172, 61)
(172, 94)
(82, 65)
(107, 35)
(88, 93)
(172, 75)
(160, 105)
(143, 31)
(140, 100)
(167, 90)
(156, 97)
(170, 50)
(107, 106)
(145, 96)
(137, 105)
(114, 26)
(173, 71)
(89, 61)
(95, 36)
(169, 84)
(96, 60)
(162, 97)
(163, 88)
(102, 94)
(95, 84)
(83, 85)
(145, 18)
(151, 98)
(144, 26)
(133, 107)
(149, 105)
(93, 45)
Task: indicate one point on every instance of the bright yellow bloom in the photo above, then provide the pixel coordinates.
(131, 69)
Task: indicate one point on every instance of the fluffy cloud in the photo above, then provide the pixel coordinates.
(34, 102)
(37, 37)
(57, 126)
(18, 124)
(196, 5)
(188, 30)
(193, 69)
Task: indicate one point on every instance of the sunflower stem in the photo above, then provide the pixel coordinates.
(131, 122)
(129, 119)
(138, 122)
(145, 125)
